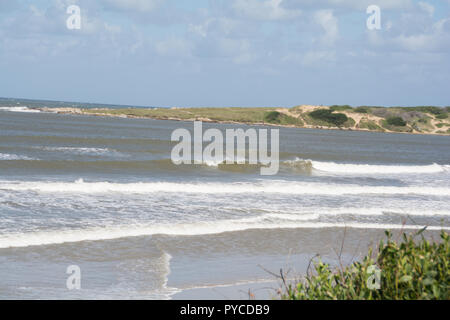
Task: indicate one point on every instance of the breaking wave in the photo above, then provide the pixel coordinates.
(342, 168)
(9, 157)
(19, 109)
(82, 151)
(275, 187)
(181, 229)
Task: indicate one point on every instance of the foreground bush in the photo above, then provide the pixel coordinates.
(410, 270)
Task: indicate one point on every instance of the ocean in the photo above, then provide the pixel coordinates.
(102, 193)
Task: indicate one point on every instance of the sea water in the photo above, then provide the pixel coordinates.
(102, 193)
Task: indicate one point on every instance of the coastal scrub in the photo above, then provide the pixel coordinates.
(410, 270)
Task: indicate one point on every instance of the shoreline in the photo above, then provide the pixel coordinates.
(245, 290)
(103, 113)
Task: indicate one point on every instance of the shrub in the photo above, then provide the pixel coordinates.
(383, 112)
(426, 109)
(409, 271)
(272, 117)
(362, 110)
(276, 117)
(442, 116)
(396, 121)
(338, 119)
(411, 115)
(340, 107)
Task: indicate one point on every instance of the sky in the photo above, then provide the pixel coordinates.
(225, 53)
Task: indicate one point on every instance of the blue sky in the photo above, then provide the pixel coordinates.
(227, 52)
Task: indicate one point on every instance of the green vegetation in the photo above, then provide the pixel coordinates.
(276, 117)
(411, 270)
(396, 121)
(340, 107)
(426, 109)
(326, 115)
(423, 125)
(245, 115)
(362, 110)
(349, 123)
(370, 125)
(442, 116)
(272, 116)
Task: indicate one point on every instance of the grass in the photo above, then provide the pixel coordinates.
(246, 115)
(410, 270)
(393, 128)
(370, 125)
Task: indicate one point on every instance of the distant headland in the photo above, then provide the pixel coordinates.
(418, 120)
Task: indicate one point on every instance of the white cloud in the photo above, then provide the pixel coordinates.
(264, 10)
(428, 8)
(239, 50)
(7, 5)
(318, 57)
(329, 24)
(174, 47)
(416, 42)
(313, 58)
(219, 25)
(429, 38)
(199, 29)
(140, 6)
(350, 4)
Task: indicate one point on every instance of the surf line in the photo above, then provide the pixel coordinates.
(213, 153)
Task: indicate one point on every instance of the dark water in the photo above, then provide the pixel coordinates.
(102, 193)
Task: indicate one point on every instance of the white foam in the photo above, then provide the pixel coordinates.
(169, 291)
(187, 229)
(6, 156)
(379, 211)
(316, 212)
(272, 187)
(233, 284)
(291, 217)
(214, 163)
(20, 109)
(81, 151)
(343, 168)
